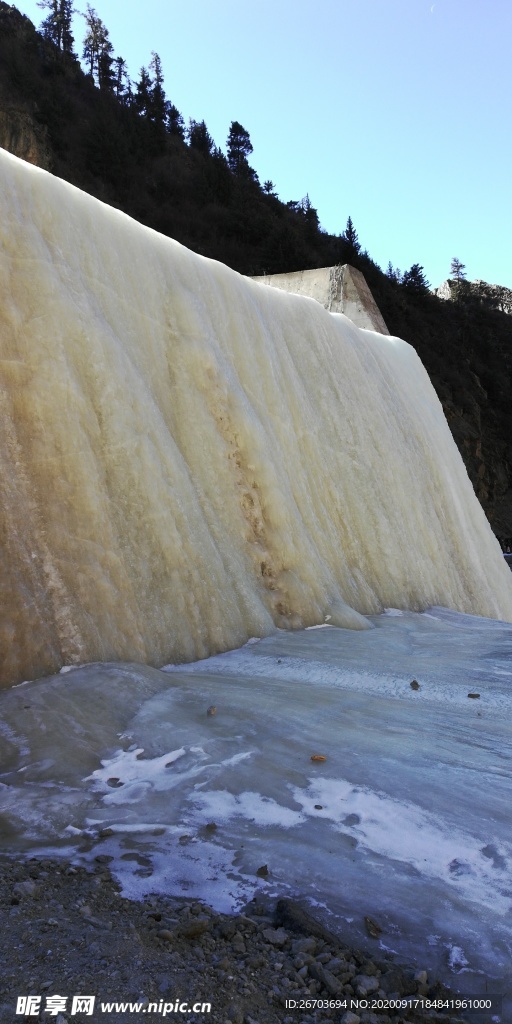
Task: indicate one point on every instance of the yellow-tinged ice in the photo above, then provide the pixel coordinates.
(189, 458)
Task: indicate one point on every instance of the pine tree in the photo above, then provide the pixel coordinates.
(174, 121)
(199, 137)
(309, 212)
(121, 81)
(57, 25)
(457, 269)
(158, 108)
(351, 240)
(142, 98)
(106, 72)
(393, 273)
(97, 50)
(239, 146)
(415, 279)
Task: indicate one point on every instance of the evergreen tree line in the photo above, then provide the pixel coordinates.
(134, 128)
(147, 95)
(147, 98)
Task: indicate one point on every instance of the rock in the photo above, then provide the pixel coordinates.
(291, 916)
(263, 871)
(26, 888)
(276, 936)
(165, 983)
(305, 945)
(475, 696)
(421, 977)
(22, 135)
(227, 929)
(373, 929)
(323, 958)
(350, 1018)
(346, 971)
(247, 923)
(326, 979)
(364, 984)
(368, 967)
(238, 943)
(192, 929)
(165, 934)
(392, 981)
(334, 964)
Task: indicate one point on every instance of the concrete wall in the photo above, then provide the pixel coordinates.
(339, 289)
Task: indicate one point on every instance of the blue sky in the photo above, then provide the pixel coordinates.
(397, 112)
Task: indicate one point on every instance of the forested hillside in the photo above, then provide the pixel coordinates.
(126, 143)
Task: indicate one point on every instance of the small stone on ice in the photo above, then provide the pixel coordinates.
(372, 928)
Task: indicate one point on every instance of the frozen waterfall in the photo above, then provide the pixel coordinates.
(189, 458)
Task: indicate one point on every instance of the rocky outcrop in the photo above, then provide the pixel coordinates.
(20, 132)
(495, 294)
(21, 135)
(485, 455)
(486, 464)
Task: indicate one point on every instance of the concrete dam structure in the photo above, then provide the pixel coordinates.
(340, 289)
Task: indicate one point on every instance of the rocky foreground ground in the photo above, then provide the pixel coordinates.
(68, 932)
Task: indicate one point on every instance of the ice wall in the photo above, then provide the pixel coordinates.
(189, 458)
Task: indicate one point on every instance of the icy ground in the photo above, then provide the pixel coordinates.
(407, 820)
